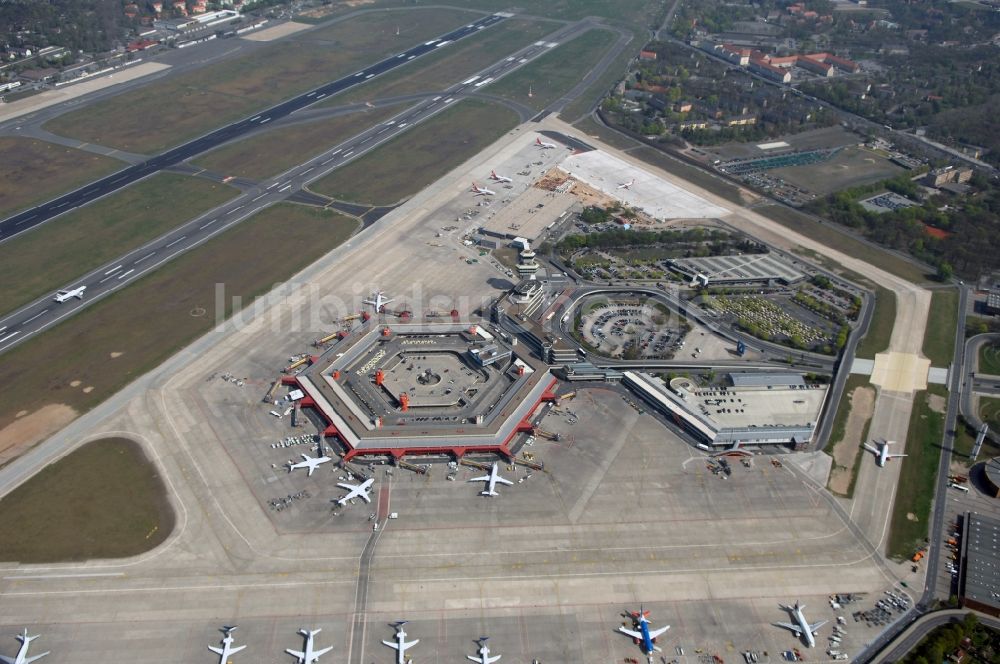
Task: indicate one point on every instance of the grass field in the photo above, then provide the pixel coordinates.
(75, 243)
(880, 330)
(275, 151)
(845, 243)
(178, 108)
(939, 338)
(132, 331)
(555, 73)
(104, 500)
(989, 359)
(851, 167)
(583, 104)
(912, 507)
(400, 168)
(839, 428)
(989, 411)
(35, 171)
(700, 178)
(451, 64)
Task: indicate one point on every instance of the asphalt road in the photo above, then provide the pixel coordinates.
(44, 312)
(28, 219)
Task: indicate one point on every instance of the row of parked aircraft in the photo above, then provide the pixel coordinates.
(641, 632)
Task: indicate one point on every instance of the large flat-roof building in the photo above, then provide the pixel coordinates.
(980, 563)
(756, 408)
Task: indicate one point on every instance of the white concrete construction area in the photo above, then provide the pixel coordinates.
(656, 197)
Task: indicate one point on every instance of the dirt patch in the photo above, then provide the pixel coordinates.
(28, 430)
(75, 383)
(115, 354)
(937, 403)
(88, 389)
(911, 516)
(845, 451)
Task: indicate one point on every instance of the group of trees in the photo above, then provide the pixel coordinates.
(713, 241)
(81, 25)
(983, 644)
(973, 225)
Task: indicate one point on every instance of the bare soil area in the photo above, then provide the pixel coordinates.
(845, 450)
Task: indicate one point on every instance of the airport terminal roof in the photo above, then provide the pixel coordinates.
(766, 379)
(741, 267)
(982, 560)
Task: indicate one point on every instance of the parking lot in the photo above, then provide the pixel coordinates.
(618, 328)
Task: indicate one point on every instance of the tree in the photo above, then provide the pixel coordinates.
(944, 271)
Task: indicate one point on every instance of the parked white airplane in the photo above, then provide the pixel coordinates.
(491, 481)
(499, 178)
(882, 451)
(401, 645)
(63, 295)
(543, 145)
(645, 637)
(627, 185)
(484, 653)
(227, 648)
(312, 463)
(377, 300)
(482, 191)
(22, 654)
(801, 627)
(356, 491)
(310, 655)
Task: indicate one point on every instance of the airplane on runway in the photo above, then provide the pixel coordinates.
(377, 300)
(227, 648)
(310, 655)
(644, 637)
(312, 463)
(22, 654)
(499, 178)
(539, 143)
(627, 185)
(63, 295)
(484, 653)
(482, 191)
(401, 645)
(882, 451)
(356, 491)
(801, 628)
(491, 481)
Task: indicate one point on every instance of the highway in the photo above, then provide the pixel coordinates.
(41, 314)
(30, 218)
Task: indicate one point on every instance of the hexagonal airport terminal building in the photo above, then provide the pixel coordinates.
(424, 388)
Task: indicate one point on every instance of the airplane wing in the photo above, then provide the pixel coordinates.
(794, 628)
(29, 660)
(349, 487)
(815, 626)
(8, 660)
(410, 644)
(656, 632)
(896, 456)
(236, 649)
(365, 497)
(474, 659)
(871, 449)
(216, 650)
(394, 645)
(504, 481)
(490, 660)
(323, 651)
(484, 478)
(296, 653)
(631, 632)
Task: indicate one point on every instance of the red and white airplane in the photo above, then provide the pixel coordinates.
(543, 145)
(627, 185)
(482, 191)
(499, 178)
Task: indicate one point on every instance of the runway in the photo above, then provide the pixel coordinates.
(44, 312)
(30, 218)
